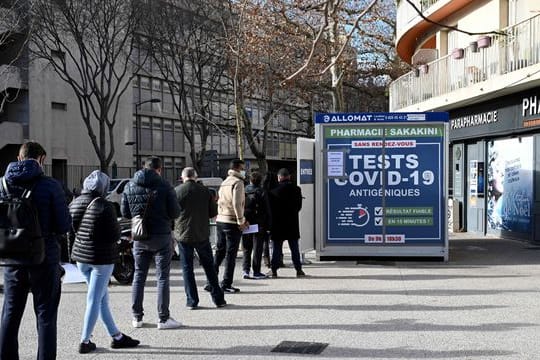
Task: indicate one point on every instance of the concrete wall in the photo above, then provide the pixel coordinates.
(63, 133)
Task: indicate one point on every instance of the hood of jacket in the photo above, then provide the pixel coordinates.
(235, 173)
(251, 188)
(97, 181)
(22, 172)
(147, 178)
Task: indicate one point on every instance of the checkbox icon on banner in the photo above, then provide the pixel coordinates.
(378, 210)
(378, 221)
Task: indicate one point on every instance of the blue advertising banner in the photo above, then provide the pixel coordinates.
(392, 190)
(307, 172)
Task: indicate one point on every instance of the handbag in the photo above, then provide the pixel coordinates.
(139, 226)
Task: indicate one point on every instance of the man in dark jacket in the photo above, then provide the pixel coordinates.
(257, 211)
(197, 207)
(285, 204)
(42, 280)
(149, 195)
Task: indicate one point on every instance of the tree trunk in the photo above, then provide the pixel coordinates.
(263, 164)
(104, 166)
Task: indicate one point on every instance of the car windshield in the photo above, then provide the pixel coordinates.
(113, 184)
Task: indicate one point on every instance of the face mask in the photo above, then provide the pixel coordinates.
(243, 173)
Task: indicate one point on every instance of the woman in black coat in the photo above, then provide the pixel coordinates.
(96, 232)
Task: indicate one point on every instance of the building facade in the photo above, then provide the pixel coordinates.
(480, 61)
(36, 104)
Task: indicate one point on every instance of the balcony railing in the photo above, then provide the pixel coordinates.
(407, 14)
(518, 47)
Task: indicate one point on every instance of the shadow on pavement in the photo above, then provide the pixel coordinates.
(395, 325)
(419, 292)
(393, 307)
(329, 352)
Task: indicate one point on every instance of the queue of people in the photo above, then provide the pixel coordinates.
(183, 213)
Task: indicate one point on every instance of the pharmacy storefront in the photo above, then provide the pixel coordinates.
(493, 149)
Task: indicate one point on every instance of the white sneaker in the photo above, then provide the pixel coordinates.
(136, 323)
(169, 324)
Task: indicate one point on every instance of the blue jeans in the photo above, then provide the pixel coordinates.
(44, 283)
(97, 299)
(228, 241)
(204, 250)
(277, 253)
(163, 266)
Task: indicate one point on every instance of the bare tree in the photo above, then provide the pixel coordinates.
(13, 39)
(262, 49)
(188, 50)
(333, 26)
(90, 44)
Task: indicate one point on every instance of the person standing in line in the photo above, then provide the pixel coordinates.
(285, 204)
(150, 195)
(96, 232)
(43, 280)
(257, 211)
(269, 182)
(230, 223)
(192, 229)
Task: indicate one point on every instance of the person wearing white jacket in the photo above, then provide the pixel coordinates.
(230, 222)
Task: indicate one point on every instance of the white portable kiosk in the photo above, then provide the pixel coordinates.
(381, 185)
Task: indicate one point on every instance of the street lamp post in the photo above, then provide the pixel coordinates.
(138, 129)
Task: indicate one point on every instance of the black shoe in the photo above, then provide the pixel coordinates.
(221, 304)
(300, 273)
(230, 289)
(208, 287)
(85, 348)
(124, 342)
(272, 274)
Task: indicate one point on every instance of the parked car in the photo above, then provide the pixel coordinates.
(114, 194)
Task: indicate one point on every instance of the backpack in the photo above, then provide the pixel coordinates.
(21, 241)
(253, 204)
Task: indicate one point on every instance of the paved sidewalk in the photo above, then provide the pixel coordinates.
(483, 304)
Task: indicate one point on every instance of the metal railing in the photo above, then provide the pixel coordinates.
(518, 48)
(407, 14)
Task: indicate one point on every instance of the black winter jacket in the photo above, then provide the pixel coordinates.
(49, 199)
(286, 203)
(163, 208)
(95, 228)
(257, 210)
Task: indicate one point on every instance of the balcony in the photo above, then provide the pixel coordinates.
(12, 77)
(411, 28)
(507, 62)
(407, 15)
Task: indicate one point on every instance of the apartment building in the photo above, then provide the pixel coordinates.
(38, 105)
(480, 61)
